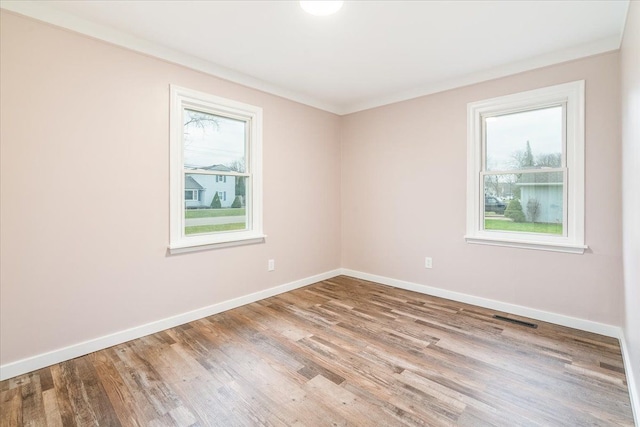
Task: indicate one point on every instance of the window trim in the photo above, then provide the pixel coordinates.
(572, 94)
(181, 98)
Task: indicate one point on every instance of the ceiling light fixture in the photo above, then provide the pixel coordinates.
(321, 7)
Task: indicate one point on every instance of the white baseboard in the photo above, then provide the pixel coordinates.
(545, 316)
(23, 366)
(634, 392)
(558, 319)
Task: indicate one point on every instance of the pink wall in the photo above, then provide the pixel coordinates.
(404, 198)
(630, 72)
(85, 195)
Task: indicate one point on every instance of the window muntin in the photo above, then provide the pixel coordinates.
(215, 171)
(527, 147)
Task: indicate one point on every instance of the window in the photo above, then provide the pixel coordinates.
(213, 139)
(190, 195)
(525, 170)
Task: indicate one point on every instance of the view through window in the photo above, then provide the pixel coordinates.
(215, 168)
(524, 171)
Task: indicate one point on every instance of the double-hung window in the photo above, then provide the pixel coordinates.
(525, 170)
(215, 171)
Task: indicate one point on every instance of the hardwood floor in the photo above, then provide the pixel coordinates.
(339, 352)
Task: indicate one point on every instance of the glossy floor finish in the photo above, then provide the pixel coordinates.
(339, 352)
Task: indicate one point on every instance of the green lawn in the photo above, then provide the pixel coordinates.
(527, 227)
(207, 213)
(198, 229)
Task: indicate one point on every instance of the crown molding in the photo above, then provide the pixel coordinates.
(41, 11)
(577, 52)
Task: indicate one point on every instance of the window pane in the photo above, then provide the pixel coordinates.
(526, 203)
(527, 140)
(212, 141)
(221, 205)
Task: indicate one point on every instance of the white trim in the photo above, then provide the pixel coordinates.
(41, 11)
(47, 13)
(181, 98)
(634, 397)
(545, 316)
(523, 244)
(621, 38)
(245, 239)
(598, 47)
(43, 360)
(572, 96)
(23, 366)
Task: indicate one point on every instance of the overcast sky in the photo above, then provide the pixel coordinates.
(508, 134)
(219, 144)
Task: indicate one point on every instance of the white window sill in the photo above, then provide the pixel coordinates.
(527, 244)
(190, 246)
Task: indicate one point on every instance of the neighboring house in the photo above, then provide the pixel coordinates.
(199, 189)
(546, 189)
(193, 192)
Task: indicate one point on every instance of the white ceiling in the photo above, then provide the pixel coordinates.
(368, 54)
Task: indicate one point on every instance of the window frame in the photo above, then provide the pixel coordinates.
(572, 96)
(181, 98)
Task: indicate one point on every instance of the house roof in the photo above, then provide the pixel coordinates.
(221, 168)
(547, 178)
(191, 184)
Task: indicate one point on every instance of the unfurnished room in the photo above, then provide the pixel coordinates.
(320, 213)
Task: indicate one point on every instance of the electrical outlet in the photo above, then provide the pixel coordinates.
(428, 262)
(271, 265)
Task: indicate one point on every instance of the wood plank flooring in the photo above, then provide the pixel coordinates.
(339, 352)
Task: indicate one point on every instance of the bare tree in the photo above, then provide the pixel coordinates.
(201, 120)
(523, 159)
(549, 160)
(237, 165)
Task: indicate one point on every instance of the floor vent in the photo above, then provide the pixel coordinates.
(517, 322)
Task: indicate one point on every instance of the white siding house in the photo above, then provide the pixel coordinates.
(200, 189)
(544, 191)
